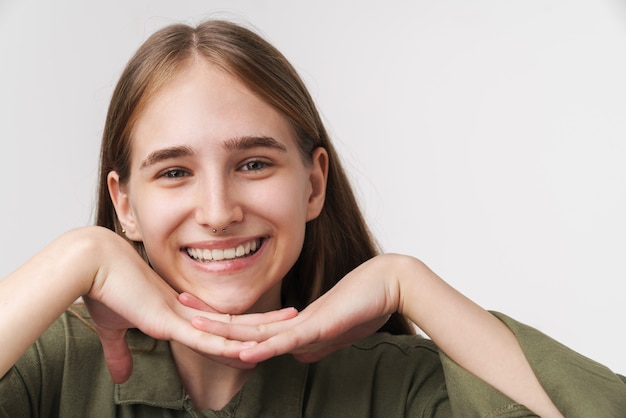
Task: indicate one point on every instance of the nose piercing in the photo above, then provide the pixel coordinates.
(215, 230)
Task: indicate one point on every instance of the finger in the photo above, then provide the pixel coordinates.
(304, 350)
(207, 343)
(191, 301)
(211, 323)
(216, 348)
(281, 343)
(241, 331)
(255, 319)
(211, 346)
(117, 355)
(308, 342)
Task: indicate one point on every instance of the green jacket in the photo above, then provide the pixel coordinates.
(64, 375)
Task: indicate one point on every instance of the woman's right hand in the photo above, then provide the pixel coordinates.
(120, 290)
(127, 293)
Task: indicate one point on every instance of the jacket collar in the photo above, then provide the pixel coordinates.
(276, 388)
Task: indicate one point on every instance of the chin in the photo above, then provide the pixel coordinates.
(237, 306)
(238, 300)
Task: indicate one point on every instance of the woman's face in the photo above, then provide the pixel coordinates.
(208, 154)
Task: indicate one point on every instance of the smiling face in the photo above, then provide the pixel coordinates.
(208, 154)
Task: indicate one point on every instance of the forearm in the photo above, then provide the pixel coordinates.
(35, 295)
(469, 335)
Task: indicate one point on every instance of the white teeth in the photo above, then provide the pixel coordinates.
(230, 253)
(224, 254)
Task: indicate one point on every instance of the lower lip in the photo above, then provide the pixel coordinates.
(227, 266)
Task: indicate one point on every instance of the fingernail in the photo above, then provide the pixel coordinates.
(249, 343)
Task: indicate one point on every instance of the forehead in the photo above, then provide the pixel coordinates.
(203, 105)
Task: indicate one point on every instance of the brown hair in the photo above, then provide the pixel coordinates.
(338, 240)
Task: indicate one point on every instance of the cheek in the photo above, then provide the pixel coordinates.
(286, 201)
(289, 207)
(157, 216)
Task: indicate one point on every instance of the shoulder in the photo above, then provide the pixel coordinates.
(64, 357)
(67, 356)
(405, 361)
(403, 371)
(385, 350)
(407, 345)
(71, 335)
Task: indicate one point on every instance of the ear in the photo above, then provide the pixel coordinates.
(318, 179)
(124, 211)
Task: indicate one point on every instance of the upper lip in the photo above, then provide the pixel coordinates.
(220, 243)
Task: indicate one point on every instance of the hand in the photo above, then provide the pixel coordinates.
(120, 290)
(111, 328)
(362, 301)
(127, 293)
(354, 308)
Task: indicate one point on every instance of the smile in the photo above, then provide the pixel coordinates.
(219, 254)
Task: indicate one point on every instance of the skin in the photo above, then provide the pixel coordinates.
(220, 177)
(221, 317)
(197, 165)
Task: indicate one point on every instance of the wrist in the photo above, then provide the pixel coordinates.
(403, 277)
(84, 255)
(410, 275)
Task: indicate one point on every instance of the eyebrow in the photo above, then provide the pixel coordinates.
(242, 143)
(166, 154)
(248, 142)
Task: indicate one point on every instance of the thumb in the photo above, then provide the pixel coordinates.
(117, 355)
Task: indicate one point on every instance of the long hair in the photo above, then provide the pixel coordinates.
(338, 240)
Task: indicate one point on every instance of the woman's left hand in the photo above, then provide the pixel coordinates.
(361, 302)
(357, 306)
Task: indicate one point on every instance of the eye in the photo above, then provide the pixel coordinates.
(254, 165)
(174, 173)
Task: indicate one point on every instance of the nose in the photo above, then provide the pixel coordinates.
(218, 204)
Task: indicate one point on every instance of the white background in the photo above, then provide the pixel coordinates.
(487, 138)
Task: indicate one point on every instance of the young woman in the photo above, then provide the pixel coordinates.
(254, 288)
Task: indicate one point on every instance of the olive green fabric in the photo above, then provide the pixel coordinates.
(64, 375)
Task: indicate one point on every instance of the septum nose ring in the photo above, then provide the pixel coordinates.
(215, 230)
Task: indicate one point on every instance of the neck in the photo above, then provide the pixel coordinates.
(210, 383)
